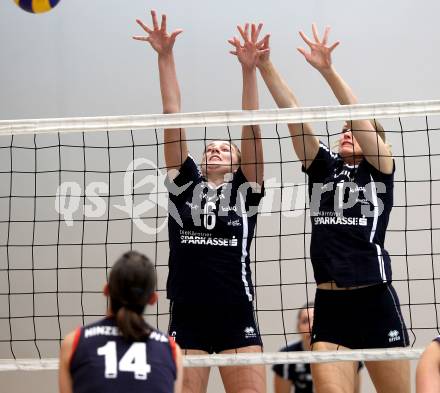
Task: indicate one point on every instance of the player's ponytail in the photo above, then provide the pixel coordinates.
(132, 282)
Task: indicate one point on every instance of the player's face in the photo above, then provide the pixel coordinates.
(305, 323)
(348, 145)
(219, 157)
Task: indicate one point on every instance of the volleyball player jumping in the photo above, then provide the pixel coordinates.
(122, 352)
(209, 282)
(355, 305)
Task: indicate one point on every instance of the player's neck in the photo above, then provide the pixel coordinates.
(217, 179)
(353, 160)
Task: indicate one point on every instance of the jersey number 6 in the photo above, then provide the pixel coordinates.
(134, 360)
(209, 216)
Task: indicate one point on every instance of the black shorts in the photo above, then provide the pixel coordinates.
(362, 318)
(213, 328)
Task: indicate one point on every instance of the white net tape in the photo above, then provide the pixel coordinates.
(243, 359)
(230, 118)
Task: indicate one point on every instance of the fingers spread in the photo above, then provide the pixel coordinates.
(154, 18)
(266, 40)
(263, 41)
(260, 26)
(302, 51)
(141, 38)
(175, 33)
(145, 27)
(242, 33)
(246, 32)
(253, 32)
(232, 41)
(325, 37)
(305, 38)
(334, 45)
(163, 24)
(315, 33)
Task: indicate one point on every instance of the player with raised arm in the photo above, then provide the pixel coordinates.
(351, 197)
(209, 283)
(122, 352)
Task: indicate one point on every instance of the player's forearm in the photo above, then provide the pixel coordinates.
(250, 89)
(279, 90)
(345, 96)
(340, 88)
(251, 146)
(169, 86)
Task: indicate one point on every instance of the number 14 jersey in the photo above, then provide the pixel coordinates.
(103, 361)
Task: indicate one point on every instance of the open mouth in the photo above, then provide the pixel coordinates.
(215, 158)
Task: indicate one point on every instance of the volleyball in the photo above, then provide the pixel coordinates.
(36, 6)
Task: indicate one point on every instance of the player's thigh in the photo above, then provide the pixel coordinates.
(392, 376)
(334, 377)
(195, 379)
(244, 379)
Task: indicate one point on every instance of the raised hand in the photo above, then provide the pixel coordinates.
(252, 51)
(320, 53)
(264, 47)
(159, 39)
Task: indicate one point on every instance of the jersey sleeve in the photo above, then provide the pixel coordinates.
(189, 174)
(252, 196)
(322, 164)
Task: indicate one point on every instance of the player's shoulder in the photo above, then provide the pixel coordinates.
(69, 339)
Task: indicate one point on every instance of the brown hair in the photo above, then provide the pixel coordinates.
(131, 283)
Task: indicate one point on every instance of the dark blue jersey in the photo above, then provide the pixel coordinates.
(298, 373)
(349, 208)
(103, 361)
(210, 233)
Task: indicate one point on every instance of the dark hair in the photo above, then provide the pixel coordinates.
(132, 281)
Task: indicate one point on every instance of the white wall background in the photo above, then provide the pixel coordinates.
(79, 60)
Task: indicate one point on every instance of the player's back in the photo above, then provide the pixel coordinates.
(103, 361)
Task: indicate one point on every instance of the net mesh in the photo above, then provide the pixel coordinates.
(72, 199)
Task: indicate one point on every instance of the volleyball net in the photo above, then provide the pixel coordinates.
(76, 193)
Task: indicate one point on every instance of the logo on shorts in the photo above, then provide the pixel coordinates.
(173, 335)
(249, 332)
(393, 336)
